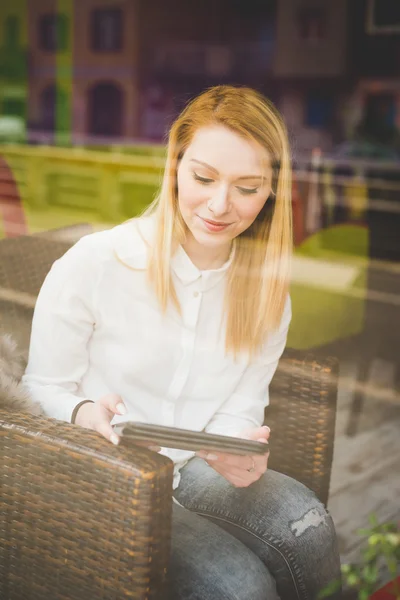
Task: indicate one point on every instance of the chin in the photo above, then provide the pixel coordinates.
(209, 239)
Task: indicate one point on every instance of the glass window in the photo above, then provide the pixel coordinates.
(53, 32)
(106, 27)
(386, 13)
(311, 23)
(319, 110)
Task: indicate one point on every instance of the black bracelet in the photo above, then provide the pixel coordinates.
(77, 407)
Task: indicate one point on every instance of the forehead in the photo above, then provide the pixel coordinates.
(228, 152)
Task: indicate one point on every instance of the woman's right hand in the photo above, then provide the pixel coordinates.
(98, 415)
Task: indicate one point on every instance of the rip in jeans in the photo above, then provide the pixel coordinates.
(312, 518)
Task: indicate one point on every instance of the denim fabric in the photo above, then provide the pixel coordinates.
(207, 563)
(237, 543)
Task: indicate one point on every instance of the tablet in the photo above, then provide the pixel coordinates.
(186, 439)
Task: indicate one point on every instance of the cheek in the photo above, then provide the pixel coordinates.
(189, 194)
(249, 211)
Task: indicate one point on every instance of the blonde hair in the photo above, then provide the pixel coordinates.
(258, 278)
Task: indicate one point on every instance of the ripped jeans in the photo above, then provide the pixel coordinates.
(271, 540)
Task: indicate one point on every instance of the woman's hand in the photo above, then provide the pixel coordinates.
(98, 416)
(241, 471)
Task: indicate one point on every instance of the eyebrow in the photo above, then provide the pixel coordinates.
(203, 164)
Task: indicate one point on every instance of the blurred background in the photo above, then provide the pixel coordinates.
(88, 90)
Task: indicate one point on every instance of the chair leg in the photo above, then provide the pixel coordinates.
(359, 396)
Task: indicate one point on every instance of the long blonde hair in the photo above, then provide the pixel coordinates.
(258, 278)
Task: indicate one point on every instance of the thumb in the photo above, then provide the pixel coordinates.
(108, 432)
(114, 403)
(257, 434)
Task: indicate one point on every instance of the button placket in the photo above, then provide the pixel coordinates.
(190, 314)
(168, 412)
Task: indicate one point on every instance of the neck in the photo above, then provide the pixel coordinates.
(206, 258)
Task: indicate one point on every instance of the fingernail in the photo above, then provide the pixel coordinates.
(267, 428)
(114, 439)
(212, 457)
(121, 408)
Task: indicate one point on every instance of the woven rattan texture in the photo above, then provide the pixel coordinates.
(79, 518)
(301, 416)
(24, 263)
(26, 260)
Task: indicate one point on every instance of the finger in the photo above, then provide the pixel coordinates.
(261, 463)
(108, 432)
(114, 403)
(257, 433)
(147, 444)
(257, 463)
(223, 457)
(263, 441)
(237, 478)
(239, 483)
(231, 460)
(207, 455)
(235, 472)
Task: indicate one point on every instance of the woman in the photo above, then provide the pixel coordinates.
(179, 318)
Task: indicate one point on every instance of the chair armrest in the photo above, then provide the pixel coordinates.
(68, 233)
(79, 517)
(24, 264)
(302, 415)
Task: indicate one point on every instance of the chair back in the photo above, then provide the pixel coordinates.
(302, 418)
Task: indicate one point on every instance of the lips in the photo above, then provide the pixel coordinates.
(214, 225)
(220, 223)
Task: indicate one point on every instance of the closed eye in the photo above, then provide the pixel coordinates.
(204, 180)
(207, 181)
(245, 191)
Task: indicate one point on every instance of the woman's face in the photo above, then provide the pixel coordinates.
(223, 183)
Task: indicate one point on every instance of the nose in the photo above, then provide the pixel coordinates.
(219, 203)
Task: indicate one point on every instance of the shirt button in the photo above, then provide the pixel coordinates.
(195, 294)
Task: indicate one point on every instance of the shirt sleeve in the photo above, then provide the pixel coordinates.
(246, 406)
(63, 322)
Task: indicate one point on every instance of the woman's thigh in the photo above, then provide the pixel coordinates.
(278, 518)
(209, 563)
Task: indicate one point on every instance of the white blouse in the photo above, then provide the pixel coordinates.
(98, 329)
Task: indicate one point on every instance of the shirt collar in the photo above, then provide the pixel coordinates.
(132, 242)
(188, 273)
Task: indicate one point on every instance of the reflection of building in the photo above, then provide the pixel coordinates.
(119, 68)
(375, 56)
(84, 60)
(13, 62)
(186, 47)
(311, 68)
(330, 58)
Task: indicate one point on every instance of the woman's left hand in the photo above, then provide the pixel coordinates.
(239, 470)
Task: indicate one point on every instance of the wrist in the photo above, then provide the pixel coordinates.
(77, 408)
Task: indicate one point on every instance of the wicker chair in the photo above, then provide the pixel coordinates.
(81, 519)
